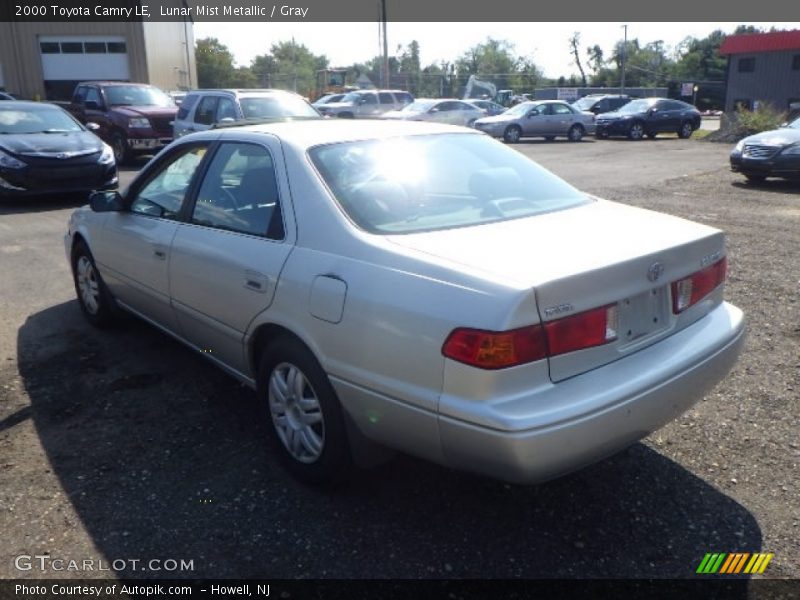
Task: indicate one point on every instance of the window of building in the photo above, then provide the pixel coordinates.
(747, 64)
(116, 47)
(50, 48)
(94, 47)
(71, 47)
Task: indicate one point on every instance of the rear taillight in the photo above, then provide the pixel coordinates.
(495, 349)
(692, 289)
(584, 330)
(502, 349)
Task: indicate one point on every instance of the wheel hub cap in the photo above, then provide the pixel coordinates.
(296, 413)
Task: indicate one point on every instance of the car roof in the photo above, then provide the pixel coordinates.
(29, 104)
(109, 83)
(315, 132)
(243, 91)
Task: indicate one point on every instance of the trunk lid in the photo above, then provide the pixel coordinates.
(583, 258)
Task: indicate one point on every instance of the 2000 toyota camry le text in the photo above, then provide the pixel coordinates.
(413, 286)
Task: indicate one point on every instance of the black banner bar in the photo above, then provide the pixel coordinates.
(443, 11)
(685, 589)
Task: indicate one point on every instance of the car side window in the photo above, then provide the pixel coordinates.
(240, 192)
(80, 93)
(386, 98)
(186, 106)
(561, 109)
(206, 110)
(92, 95)
(369, 99)
(404, 97)
(164, 193)
(226, 109)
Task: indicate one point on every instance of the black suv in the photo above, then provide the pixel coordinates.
(601, 103)
(649, 116)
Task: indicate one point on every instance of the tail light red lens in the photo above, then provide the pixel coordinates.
(584, 330)
(499, 350)
(690, 290)
(495, 350)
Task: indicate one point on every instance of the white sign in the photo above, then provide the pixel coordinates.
(568, 94)
(687, 89)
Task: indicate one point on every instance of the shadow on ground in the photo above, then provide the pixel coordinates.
(778, 186)
(34, 204)
(164, 457)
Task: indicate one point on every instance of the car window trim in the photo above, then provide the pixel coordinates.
(185, 214)
(156, 168)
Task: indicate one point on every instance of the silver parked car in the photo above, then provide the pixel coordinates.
(413, 286)
(203, 109)
(542, 118)
(366, 104)
(447, 110)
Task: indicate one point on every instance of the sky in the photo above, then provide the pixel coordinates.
(547, 43)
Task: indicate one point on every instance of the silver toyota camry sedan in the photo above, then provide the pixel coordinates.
(415, 287)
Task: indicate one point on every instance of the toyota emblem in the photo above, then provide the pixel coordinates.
(655, 271)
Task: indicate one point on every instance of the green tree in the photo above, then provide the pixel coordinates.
(289, 66)
(214, 64)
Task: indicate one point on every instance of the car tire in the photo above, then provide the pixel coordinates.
(306, 419)
(512, 134)
(686, 130)
(119, 144)
(636, 131)
(755, 177)
(549, 138)
(575, 133)
(96, 302)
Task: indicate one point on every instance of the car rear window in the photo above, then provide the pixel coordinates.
(275, 106)
(429, 182)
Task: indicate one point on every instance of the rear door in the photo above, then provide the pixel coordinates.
(135, 245)
(563, 118)
(227, 257)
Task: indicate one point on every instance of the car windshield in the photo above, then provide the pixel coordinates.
(520, 109)
(584, 103)
(351, 97)
(137, 95)
(430, 182)
(39, 119)
(795, 124)
(276, 106)
(637, 106)
(419, 106)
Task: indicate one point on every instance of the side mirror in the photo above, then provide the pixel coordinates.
(92, 126)
(106, 202)
(91, 105)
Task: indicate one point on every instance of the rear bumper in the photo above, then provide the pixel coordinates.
(617, 404)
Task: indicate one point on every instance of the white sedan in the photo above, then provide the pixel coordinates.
(416, 287)
(447, 110)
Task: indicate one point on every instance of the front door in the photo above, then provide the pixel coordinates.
(135, 244)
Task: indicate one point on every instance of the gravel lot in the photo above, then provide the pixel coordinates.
(125, 445)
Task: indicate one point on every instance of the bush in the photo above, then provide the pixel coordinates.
(743, 122)
(747, 122)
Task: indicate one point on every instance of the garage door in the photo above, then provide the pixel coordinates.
(67, 60)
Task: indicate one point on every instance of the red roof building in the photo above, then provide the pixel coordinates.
(763, 68)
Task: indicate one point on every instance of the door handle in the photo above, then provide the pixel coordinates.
(160, 254)
(255, 281)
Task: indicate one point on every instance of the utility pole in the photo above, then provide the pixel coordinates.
(624, 58)
(385, 65)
